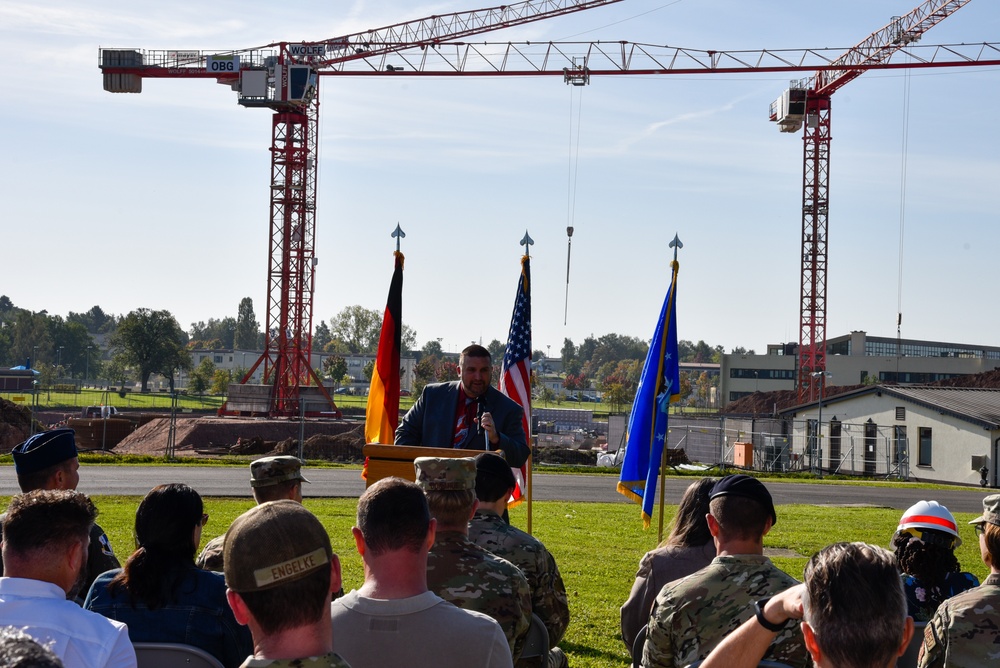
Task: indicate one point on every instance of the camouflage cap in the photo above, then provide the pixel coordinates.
(272, 544)
(991, 511)
(268, 471)
(437, 474)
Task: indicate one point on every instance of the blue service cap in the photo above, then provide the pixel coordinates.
(747, 487)
(44, 450)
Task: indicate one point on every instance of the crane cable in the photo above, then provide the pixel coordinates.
(902, 214)
(572, 177)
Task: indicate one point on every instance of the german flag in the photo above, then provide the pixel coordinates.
(382, 414)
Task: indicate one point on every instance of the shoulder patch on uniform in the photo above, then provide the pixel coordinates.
(106, 546)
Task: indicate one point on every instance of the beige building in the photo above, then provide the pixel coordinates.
(855, 359)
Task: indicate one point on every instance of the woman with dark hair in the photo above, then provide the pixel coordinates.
(161, 594)
(688, 548)
(925, 543)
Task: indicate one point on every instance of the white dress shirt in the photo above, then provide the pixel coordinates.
(80, 638)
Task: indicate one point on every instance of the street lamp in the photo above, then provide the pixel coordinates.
(86, 373)
(59, 360)
(822, 375)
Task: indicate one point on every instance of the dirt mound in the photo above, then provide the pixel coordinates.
(246, 436)
(987, 380)
(15, 424)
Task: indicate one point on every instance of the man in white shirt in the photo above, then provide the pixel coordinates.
(45, 540)
(394, 620)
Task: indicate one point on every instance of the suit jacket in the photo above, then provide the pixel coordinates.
(431, 422)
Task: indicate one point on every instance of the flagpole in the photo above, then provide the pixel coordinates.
(675, 244)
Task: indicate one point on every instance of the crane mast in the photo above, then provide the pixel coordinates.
(808, 103)
(284, 77)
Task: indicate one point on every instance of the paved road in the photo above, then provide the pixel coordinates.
(229, 481)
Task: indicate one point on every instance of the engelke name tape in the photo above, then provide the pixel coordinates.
(292, 568)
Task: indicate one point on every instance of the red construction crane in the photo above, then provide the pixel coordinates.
(283, 77)
(808, 103)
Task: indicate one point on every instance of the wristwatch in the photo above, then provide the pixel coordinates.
(758, 608)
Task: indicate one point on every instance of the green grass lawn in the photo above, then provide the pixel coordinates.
(159, 401)
(597, 546)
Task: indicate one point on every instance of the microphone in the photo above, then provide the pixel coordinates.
(479, 418)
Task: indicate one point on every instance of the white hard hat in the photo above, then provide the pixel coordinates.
(929, 515)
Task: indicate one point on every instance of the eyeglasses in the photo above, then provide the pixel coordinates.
(980, 529)
(204, 519)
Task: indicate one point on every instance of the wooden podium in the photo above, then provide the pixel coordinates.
(397, 460)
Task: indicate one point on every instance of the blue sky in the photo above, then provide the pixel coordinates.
(160, 199)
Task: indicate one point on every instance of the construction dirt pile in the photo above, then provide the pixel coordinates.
(206, 436)
(15, 424)
(987, 380)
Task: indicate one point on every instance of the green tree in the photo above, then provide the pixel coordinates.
(369, 370)
(220, 381)
(322, 336)
(335, 368)
(432, 347)
(568, 351)
(497, 350)
(201, 377)
(151, 342)
(247, 328)
(616, 396)
(407, 339)
(216, 333)
(358, 327)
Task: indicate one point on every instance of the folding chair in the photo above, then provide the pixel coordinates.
(640, 640)
(173, 655)
(536, 644)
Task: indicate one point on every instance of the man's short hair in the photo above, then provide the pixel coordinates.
(40, 479)
(277, 558)
(739, 518)
(494, 479)
(855, 604)
(281, 490)
(19, 650)
(45, 519)
(475, 350)
(393, 515)
(451, 508)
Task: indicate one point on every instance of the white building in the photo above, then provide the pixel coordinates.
(940, 434)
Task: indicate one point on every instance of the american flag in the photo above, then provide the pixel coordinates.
(515, 374)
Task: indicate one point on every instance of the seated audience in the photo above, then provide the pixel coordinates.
(458, 570)
(964, 631)
(45, 539)
(394, 620)
(281, 573)
(161, 594)
(19, 650)
(687, 549)
(925, 543)
(494, 485)
(692, 615)
(48, 461)
(271, 479)
(852, 609)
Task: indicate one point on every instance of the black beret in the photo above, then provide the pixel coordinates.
(490, 465)
(44, 450)
(747, 487)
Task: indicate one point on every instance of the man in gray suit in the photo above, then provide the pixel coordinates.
(467, 413)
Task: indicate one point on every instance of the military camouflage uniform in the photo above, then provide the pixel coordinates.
(461, 572)
(692, 615)
(965, 631)
(548, 593)
(330, 660)
(210, 558)
(264, 472)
